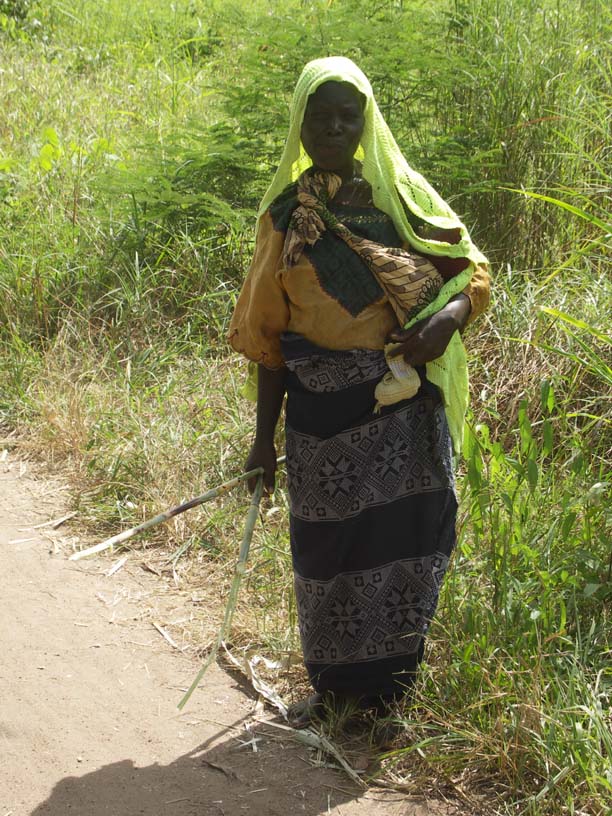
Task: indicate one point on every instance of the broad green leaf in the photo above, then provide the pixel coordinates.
(547, 438)
(592, 219)
(532, 474)
(579, 324)
(50, 135)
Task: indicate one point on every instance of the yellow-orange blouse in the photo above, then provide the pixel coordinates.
(329, 296)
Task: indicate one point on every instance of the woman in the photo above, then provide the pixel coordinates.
(372, 493)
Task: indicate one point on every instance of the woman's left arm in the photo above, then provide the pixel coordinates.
(427, 340)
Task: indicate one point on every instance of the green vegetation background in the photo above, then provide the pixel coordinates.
(135, 141)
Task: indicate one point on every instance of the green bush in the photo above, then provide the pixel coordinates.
(17, 9)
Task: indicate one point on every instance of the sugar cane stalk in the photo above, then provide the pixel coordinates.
(214, 493)
(239, 571)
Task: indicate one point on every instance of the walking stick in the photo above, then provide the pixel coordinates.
(239, 571)
(168, 514)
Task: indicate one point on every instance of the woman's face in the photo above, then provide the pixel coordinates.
(332, 127)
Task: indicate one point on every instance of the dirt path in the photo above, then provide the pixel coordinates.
(88, 694)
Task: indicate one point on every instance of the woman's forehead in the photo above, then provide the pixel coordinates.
(336, 93)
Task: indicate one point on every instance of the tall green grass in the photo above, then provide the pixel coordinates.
(135, 143)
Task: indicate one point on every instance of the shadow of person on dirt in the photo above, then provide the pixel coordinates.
(253, 771)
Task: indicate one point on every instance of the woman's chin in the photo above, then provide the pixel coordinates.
(330, 166)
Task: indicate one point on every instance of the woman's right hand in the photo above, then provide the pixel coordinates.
(262, 454)
(270, 394)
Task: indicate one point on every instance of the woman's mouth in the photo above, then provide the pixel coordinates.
(332, 146)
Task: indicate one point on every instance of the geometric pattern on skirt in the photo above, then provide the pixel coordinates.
(372, 520)
(369, 614)
(388, 458)
(321, 375)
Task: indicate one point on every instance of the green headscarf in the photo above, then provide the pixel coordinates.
(394, 183)
(395, 187)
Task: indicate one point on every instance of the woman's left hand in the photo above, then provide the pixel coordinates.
(427, 340)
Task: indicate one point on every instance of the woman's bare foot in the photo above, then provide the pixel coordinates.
(324, 706)
(386, 732)
(305, 712)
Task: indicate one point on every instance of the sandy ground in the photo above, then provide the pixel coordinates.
(88, 695)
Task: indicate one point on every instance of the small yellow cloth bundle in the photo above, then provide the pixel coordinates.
(399, 383)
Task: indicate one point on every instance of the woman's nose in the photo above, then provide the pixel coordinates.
(334, 125)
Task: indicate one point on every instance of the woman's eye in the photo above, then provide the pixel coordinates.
(322, 117)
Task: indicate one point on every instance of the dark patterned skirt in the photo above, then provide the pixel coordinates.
(373, 512)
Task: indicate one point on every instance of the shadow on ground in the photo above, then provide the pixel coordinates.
(224, 776)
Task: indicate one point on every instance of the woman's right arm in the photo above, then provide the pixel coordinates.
(270, 394)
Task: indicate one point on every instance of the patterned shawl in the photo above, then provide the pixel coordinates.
(409, 281)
